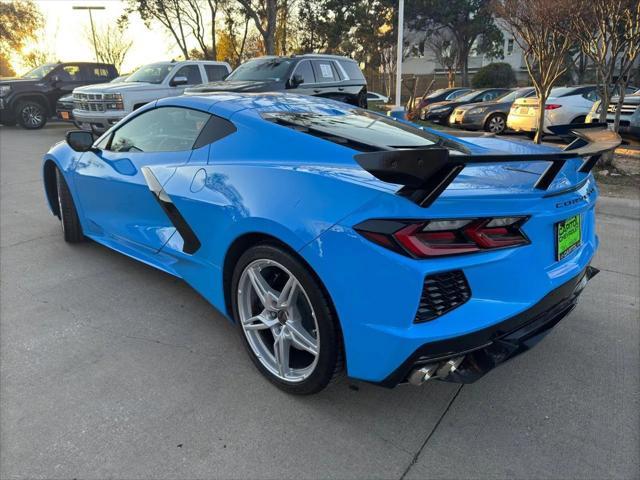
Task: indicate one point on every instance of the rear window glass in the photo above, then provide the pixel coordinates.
(352, 69)
(358, 129)
(215, 72)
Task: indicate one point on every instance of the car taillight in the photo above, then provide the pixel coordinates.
(551, 106)
(435, 238)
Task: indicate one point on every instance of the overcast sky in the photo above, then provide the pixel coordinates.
(65, 33)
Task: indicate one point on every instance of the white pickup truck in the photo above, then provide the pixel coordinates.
(98, 107)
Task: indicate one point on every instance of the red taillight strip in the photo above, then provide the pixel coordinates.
(410, 238)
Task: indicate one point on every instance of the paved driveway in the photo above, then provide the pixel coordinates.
(111, 369)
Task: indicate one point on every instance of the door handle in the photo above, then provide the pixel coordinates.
(317, 90)
(341, 89)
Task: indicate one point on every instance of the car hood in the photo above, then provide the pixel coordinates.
(19, 82)
(445, 103)
(117, 87)
(233, 86)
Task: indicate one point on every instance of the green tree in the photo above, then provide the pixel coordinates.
(471, 23)
(19, 24)
(498, 75)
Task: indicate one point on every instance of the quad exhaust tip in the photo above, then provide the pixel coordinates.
(434, 370)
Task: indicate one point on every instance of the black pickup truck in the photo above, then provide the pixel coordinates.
(31, 99)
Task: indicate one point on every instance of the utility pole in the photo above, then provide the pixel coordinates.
(93, 30)
(398, 109)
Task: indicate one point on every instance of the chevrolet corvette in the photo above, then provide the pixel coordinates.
(340, 240)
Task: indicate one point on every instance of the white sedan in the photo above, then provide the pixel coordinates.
(564, 105)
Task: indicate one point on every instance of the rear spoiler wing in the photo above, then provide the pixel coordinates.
(425, 173)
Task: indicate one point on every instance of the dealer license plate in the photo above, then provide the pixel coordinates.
(568, 236)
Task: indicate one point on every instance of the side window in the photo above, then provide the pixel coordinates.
(324, 71)
(215, 72)
(97, 73)
(490, 95)
(304, 69)
(69, 73)
(164, 129)
(591, 95)
(192, 72)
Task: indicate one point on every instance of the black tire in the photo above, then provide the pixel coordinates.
(330, 357)
(496, 123)
(68, 214)
(31, 115)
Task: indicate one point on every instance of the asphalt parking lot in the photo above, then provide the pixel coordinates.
(111, 369)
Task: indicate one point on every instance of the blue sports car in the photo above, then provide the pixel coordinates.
(339, 239)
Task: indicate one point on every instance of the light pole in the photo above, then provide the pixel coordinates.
(93, 30)
(398, 109)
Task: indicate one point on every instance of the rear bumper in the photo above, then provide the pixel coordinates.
(485, 349)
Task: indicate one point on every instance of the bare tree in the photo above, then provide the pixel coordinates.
(541, 28)
(630, 54)
(111, 44)
(183, 19)
(264, 14)
(599, 30)
(233, 39)
(444, 47)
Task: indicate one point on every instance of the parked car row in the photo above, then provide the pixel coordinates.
(100, 101)
(496, 110)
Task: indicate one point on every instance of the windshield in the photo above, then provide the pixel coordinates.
(262, 69)
(469, 96)
(40, 72)
(359, 129)
(512, 96)
(153, 73)
(436, 93)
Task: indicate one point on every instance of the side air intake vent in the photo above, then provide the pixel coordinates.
(442, 292)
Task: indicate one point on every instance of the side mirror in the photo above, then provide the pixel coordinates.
(179, 81)
(80, 140)
(296, 80)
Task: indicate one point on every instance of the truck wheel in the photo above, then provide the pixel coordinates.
(31, 115)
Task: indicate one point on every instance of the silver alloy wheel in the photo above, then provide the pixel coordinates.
(496, 124)
(278, 320)
(32, 115)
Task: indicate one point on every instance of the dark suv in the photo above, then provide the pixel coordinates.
(328, 76)
(31, 99)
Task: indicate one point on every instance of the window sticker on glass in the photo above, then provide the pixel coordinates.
(325, 69)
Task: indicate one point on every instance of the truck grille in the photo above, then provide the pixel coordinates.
(441, 293)
(627, 109)
(89, 102)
